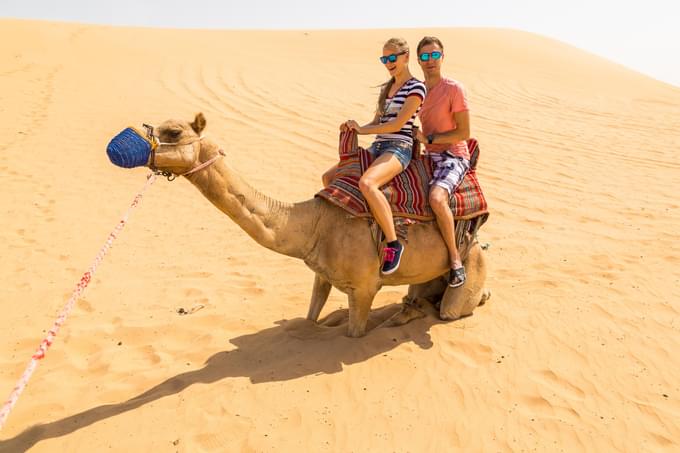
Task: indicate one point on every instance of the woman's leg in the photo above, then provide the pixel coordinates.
(328, 177)
(381, 171)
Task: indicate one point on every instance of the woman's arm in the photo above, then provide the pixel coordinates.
(407, 110)
(374, 121)
(351, 124)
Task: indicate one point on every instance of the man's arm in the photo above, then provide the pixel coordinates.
(462, 131)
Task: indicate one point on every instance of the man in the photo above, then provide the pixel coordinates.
(445, 121)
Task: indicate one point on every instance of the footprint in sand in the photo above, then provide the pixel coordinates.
(194, 293)
(470, 354)
(85, 305)
(151, 355)
(196, 298)
(218, 441)
(197, 275)
(560, 386)
(22, 234)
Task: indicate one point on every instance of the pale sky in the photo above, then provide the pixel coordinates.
(643, 35)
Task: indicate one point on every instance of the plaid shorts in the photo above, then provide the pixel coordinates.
(448, 171)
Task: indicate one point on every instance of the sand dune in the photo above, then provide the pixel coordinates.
(574, 351)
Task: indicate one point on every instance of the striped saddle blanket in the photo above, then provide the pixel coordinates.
(408, 192)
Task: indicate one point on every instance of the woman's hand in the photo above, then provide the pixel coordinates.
(350, 125)
(353, 126)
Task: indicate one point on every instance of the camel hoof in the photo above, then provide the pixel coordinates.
(407, 314)
(449, 318)
(486, 295)
(355, 334)
(334, 319)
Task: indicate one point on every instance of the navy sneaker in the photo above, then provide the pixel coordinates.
(391, 258)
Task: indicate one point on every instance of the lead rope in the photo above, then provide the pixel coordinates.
(80, 287)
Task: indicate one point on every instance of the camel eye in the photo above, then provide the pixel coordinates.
(170, 134)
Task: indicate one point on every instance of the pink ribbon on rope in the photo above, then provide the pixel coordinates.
(80, 287)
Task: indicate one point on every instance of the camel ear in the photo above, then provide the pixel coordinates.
(199, 123)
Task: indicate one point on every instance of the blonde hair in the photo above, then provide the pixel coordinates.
(400, 45)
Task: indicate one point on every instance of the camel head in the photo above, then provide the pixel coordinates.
(179, 145)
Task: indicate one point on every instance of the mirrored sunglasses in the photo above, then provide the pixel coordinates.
(427, 55)
(391, 58)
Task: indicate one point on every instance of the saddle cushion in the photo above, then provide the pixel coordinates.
(408, 192)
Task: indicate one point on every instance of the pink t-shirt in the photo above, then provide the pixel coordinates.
(436, 114)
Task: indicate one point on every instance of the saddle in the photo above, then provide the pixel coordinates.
(408, 192)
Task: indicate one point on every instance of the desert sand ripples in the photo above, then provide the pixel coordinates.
(191, 336)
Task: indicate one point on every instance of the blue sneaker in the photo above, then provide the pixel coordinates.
(391, 258)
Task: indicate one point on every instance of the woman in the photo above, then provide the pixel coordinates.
(398, 105)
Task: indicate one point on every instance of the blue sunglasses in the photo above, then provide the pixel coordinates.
(426, 56)
(391, 58)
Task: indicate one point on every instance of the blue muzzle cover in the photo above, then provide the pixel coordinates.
(129, 149)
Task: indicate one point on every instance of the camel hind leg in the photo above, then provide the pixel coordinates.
(411, 306)
(461, 301)
(320, 293)
(454, 303)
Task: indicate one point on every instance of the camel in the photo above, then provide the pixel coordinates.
(338, 248)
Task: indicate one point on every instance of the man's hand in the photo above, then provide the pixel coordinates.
(420, 136)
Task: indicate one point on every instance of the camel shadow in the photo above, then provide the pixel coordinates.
(290, 350)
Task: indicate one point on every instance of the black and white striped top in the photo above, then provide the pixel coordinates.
(412, 87)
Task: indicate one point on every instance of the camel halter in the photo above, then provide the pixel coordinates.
(169, 175)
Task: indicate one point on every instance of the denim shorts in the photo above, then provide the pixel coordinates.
(400, 148)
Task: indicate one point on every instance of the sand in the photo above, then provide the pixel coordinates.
(574, 352)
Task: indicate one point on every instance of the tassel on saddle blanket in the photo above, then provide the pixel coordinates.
(408, 192)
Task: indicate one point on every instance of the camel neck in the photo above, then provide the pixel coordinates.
(285, 228)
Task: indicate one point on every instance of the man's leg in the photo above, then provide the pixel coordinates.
(450, 173)
(439, 202)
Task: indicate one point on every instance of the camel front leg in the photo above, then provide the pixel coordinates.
(360, 301)
(320, 293)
